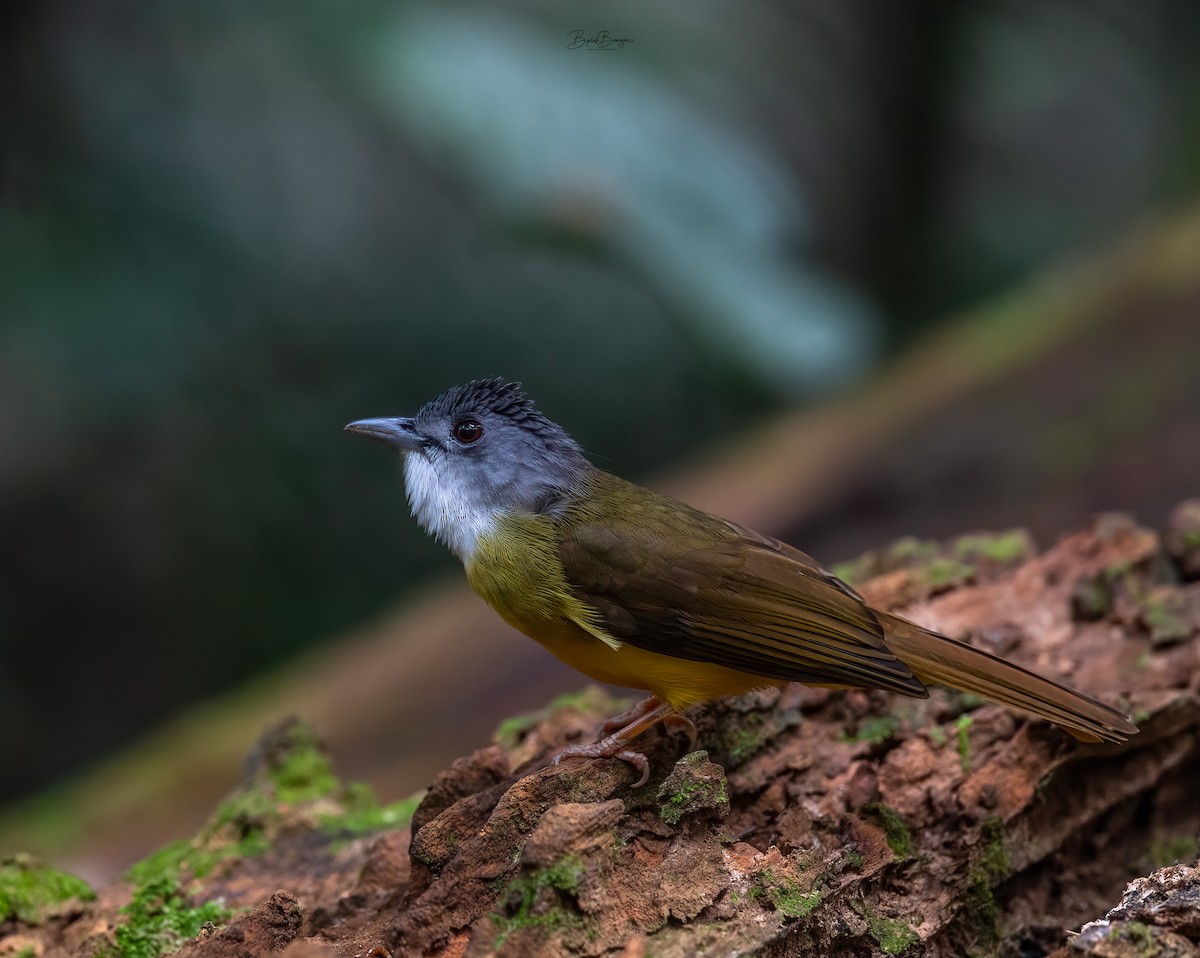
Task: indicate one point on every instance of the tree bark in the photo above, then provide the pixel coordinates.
(807, 822)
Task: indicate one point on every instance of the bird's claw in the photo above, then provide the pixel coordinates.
(641, 717)
(681, 723)
(609, 748)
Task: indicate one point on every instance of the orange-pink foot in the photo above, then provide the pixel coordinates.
(609, 748)
(630, 715)
(629, 725)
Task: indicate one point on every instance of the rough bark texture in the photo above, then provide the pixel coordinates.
(809, 821)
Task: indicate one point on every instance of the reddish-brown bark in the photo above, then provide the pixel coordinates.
(810, 821)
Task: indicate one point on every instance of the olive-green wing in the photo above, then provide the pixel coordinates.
(692, 586)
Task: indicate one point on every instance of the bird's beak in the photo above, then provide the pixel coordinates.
(395, 432)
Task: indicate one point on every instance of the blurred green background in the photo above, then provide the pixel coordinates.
(226, 229)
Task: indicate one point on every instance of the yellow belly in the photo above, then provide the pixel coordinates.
(516, 569)
(681, 682)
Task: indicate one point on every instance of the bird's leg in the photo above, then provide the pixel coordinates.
(614, 745)
(635, 711)
(672, 721)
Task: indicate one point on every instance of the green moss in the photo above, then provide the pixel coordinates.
(27, 952)
(854, 859)
(377, 818)
(875, 729)
(787, 896)
(852, 572)
(564, 875)
(742, 742)
(1006, 547)
(157, 921)
(989, 867)
(243, 809)
(937, 735)
(363, 814)
(967, 702)
(693, 785)
(910, 551)
(28, 888)
(168, 862)
(292, 768)
(1118, 569)
(942, 572)
(679, 801)
(1092, 598)
(746, 738)
(993, 859)
(1165, 615)
(962, 732)
(894, 936)
(522, 894)
(895, 830)
(794, 903)
(579, 786)
(292, 763)
(424, 857)
(511, 730)
(1167, 850)
(293, 783)
(303, 776)
(197, 856)
(752, 733)
(1135, 932)
(591, 699)
(929, 562)
(979, 911)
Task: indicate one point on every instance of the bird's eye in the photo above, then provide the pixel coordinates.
(467, 431)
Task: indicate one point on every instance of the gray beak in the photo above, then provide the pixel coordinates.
(395, 432)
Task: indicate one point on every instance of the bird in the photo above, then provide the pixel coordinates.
(639, 590)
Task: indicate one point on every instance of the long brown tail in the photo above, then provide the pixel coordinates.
(936, 658)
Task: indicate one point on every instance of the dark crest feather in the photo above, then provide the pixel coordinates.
(493, 395)
(502, 398)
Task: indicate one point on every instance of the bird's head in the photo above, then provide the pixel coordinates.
(476, 452)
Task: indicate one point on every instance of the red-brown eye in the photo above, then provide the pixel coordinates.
(467, 431)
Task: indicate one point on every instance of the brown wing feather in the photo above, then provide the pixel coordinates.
(673, 580)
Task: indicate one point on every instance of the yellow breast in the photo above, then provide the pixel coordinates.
(517, 570)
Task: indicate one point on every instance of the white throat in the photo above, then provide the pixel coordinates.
(446, 509)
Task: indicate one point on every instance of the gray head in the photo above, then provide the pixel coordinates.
(476, 452)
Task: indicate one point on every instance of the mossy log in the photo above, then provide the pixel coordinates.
(806, 821)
